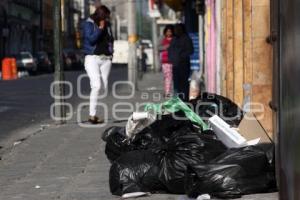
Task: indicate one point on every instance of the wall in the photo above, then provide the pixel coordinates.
(210, 46)
(289, 101)
(246, 56)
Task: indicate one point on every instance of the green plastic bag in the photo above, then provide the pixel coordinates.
(173, 105)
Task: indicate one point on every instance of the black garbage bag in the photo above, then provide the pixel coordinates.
(111, 131)
(269, 149)
(263, 183)
(213, 146)
(117, 143)
(166, 125)
(161, 130)
(135, 171)
(185, 148)
(254, 173)
(217, 180)
(251, 158)
(208, 104)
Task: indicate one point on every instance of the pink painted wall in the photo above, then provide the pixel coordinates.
(210, 46)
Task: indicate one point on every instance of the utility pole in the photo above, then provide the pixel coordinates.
(132, 39)
(60, 113)
(139, 7)
(141, 16)
(155, 45)
(41, 31)
(86, 8)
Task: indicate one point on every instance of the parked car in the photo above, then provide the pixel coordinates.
(77, 57)
(43, 62)
(73, 59)
(67, 61)
(26, 62)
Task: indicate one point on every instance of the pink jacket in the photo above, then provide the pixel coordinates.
(164, 53)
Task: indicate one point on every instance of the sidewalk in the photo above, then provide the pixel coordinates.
(68, 161)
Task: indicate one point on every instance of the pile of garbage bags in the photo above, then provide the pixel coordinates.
(175, 154)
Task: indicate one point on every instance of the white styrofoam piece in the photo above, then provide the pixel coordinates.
(230, 137)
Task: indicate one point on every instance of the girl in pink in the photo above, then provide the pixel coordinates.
(166, 65)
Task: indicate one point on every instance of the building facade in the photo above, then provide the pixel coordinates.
(3, 27)
(23, 23)
(71, 22)
(47, 26)
(27, 25)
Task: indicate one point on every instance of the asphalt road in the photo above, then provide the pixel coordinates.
(27, 101)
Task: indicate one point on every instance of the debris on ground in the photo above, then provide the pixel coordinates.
(37, 187)
(135, 195)
(19, 141)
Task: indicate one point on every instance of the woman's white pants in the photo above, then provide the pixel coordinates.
(97, 67)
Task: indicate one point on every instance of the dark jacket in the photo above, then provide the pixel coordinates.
(105, 42)
(180, 50)
(91, 34)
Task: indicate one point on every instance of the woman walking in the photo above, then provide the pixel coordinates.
(98, 48)
(166, 64)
